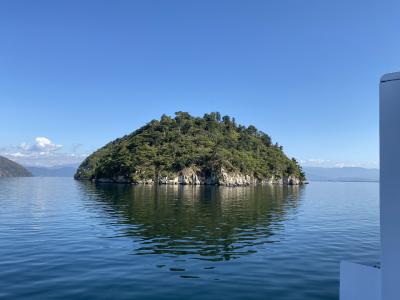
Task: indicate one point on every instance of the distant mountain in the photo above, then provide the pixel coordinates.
(341, 174)
(57, 171)
(8, 168)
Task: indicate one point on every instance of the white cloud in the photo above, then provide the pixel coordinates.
(42, 145)
(356, 165)
(326, 163)
(16, 154)
(43, 152)
(314, 161)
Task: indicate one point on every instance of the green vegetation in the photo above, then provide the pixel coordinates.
(164, 147)
(8, 168)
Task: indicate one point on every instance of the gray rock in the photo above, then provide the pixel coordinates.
(195, 176)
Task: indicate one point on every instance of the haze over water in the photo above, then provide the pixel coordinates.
(66, 239)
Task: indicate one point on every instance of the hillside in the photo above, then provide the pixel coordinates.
(192, 150)
(8, 168)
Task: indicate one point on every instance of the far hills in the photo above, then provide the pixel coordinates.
(344, 174)
(55, 171)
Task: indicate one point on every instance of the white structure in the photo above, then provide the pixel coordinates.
(359, 282)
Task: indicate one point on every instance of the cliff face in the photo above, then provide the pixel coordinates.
(194, 176)
(191, 150)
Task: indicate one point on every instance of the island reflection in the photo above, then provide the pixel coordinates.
(203, 222)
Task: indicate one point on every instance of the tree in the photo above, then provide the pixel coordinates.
(168, 145)
(251, 130)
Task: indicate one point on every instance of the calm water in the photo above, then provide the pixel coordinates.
(63, 239)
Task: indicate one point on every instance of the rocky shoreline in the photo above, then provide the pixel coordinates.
(193, 176)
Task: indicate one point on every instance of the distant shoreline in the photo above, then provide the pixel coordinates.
(316, 180)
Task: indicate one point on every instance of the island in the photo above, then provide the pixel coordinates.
(8, 168)
(210, 150)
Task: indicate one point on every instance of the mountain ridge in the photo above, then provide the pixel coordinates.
(55, 171)
(344, 174)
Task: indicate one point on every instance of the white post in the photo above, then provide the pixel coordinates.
(362, 282)
(389, 185)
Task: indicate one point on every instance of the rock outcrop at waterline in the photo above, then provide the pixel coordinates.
(189, 150)
(189, 176)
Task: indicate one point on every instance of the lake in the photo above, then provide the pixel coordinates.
(67, 239)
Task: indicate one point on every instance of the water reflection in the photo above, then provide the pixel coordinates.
(202, 222)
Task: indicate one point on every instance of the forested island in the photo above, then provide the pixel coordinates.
(192, 150)
(8, 168)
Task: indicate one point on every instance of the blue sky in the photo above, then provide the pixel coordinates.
(76, 74)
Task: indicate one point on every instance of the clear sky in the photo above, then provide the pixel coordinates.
(75, 75)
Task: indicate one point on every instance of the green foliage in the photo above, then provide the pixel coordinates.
(210, 143)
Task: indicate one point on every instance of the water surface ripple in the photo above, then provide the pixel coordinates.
(64, 239)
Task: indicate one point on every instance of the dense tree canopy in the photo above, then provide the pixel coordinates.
(166, 146)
